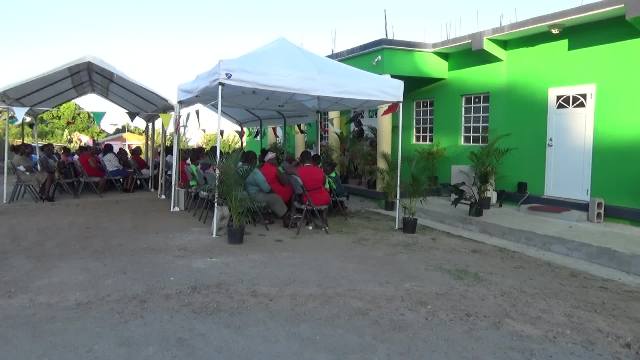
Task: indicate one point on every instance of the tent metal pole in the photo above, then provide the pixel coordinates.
(261, 133)
(6, 159)
(284, 133)
(399, 169)
(161, 184)
(153, 155)
(176, 156)
(214, 225)
(319, 125)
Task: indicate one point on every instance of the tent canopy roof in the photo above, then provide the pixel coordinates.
(282, 79)
(84, 76)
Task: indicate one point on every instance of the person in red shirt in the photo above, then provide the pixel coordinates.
(313, 180)
(92, 166)
(276, 180)
(136, 156)
(183, 181)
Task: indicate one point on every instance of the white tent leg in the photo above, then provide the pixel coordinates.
(399, 169)
(162, 163)
(214, 225)
(6, 159)
(152, 154)
(176, 156)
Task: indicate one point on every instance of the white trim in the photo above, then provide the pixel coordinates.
(432, 117)
(590, 90)
(462, 115)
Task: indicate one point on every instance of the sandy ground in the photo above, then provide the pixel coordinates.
(122, 278)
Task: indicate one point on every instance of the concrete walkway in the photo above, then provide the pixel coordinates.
(609, 250)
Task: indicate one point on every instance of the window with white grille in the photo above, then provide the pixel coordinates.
(475, 119)
(324, 127)
(423, 122)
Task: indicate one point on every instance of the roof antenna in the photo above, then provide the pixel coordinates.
(386, 32)
(501, 16)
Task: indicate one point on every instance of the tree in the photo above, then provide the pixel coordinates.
(58, 124)
(227, 144)
(125, 128)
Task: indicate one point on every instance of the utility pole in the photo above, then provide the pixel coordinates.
(386, 32)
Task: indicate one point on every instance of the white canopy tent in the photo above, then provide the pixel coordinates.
(87, 75)
(281, 83)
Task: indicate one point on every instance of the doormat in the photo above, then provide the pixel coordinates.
(548, 209)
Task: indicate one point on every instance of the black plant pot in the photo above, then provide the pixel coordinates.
(371, 184)
(389, 205)
(235, 234)
(485, 203)
(475, 210)
(409, 225)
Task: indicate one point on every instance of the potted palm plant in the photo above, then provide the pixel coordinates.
(388, 177)
(414, 188)
(232, 194)
(431, 156)
(485, 162)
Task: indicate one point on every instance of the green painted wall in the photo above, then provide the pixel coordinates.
(605, 53)
(401, 63)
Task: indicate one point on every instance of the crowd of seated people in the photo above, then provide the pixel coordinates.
(270, 180)
(97, 163)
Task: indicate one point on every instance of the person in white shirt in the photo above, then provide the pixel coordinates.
(115, 169)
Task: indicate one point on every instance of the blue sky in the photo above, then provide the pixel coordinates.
(164, 43)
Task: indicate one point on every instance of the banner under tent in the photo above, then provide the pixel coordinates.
(87, 75)
(282, 84)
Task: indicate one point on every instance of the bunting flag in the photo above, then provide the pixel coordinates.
(391, 109)
(198, 117)
(165, 120)
(97, 117)
(275, 132)
(221, 134)
(186, 120)
(300, 130)
(132, 115)
(257, 135)
(19, 114)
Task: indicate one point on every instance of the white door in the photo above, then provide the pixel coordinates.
(569, 142)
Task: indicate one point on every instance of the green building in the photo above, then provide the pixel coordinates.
(566, 86)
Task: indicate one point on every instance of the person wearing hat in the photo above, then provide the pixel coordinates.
(277, 180)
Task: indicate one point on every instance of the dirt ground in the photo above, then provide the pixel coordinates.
(122, 278)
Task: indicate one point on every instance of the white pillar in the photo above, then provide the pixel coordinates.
(384, 138)
(299, 141)
(334, 142)
(176, 156)
(151, 163)
(399, 168)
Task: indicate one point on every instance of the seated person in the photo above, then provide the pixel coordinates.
(316, 160)
(138, 161)
(65, 166)
(258, 188)
(25, 171)
(276, 178)
(123, 158)
(313, 180)
(91, 166)
(334, 184)
(47, 163)
(193, 172)
(114, 169)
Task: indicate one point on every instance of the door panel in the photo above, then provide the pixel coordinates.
(569, 142)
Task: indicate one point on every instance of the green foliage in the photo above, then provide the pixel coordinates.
(431, 156)
(231, 189)
(388, 176)
(128, 128)
(228, 143)
(485, 162)
(58, 124)
(414, 187)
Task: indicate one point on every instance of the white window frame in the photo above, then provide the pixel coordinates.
(430, 114)
(475, 116)
(324, 124)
